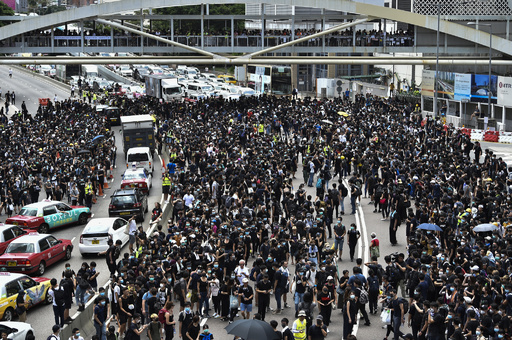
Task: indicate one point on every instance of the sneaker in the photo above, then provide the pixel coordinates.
(327, 330)
(286, 305)
(215, 315)
(383, 219)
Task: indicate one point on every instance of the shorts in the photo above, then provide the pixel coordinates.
(338, 244)
(182, 301)
(68, 303)
(132, 239)
(165, 189)
(246, 308)
(193, 297)
(123, 318)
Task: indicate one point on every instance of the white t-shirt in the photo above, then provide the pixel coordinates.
(189, 199)
(133, 227)
(240, 271)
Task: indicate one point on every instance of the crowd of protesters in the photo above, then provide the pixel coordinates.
(231, 166)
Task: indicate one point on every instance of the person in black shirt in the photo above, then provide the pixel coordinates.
(457, 334)
(287, 332)
(398, 313)
(263, 288)
(246, 293)
(317, 331)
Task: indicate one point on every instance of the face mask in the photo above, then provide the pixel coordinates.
(206, 331)
(478, 333)
(77, 334)
(496, 330)
(102, 293)
(215, 266)
(103, 302)
(187, 310)
(352, 296)
(283, 325)
(122, 274)
(170, 280)
(449, 316)
(68, 268)
(323, 268)
(500, 336)
(122, 281)
(151, 279)
(452, 289)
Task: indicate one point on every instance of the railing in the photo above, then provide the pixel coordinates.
(209, 41)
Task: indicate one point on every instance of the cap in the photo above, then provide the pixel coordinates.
(154, 316)
(330, 277)
(55, 328)
(319, 317)
(302, 313)
(244, 280)
(475, 268)
(373, 235)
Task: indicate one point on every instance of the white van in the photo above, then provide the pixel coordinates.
(143, 158)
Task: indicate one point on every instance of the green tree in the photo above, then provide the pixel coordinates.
(5, 10)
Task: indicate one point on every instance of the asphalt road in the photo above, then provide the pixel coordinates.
(30, 87)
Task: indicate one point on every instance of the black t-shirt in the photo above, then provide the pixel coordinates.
(262, 285)
(339, 229)
(315, 332)
(247, 294)
(130, 334)
(21, 300)
(193, 330)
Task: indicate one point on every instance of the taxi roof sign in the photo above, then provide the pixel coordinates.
(33, 233)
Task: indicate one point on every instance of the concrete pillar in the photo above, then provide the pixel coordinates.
(232, 34)
(262, 26)
(82, 42)
(52, 39)
(331, 69)
(202, 26)
(112, 39)
(295, 72)
(141, 37)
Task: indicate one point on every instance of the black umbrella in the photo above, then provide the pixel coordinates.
(83, 151)
(251, 329)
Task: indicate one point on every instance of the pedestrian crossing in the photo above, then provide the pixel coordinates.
(506, 156)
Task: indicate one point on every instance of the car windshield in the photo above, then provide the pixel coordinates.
(134, 175)
(28, 212)
(16, 248)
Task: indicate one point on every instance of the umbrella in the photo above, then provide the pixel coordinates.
(326, 121)
(429, 226)
(83, 151)
(343, 113)
(97, 139)
(251, 329)
(484, 227)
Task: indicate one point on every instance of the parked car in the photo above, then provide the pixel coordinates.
(9, 233)
(36, 290)
(16, 330)
(46, 215)
(140, 74)
(128, 202)
(32, 253)
(98, 231)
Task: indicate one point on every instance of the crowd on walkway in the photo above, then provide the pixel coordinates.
(230, 182)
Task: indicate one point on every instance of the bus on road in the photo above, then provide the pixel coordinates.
(275, 79)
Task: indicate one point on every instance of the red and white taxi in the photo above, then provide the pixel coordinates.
(9, 233)
(46, 215)
(137, 178)
(32, 253)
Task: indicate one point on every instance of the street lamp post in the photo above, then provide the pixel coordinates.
(490, 63)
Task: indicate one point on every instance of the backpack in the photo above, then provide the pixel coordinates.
(53, 336)
(334, 195)
(251, 275)
(319, 183)
(363, 296)
(60, 296)
(406, 305)
(344, 190)
(394, 274)
(161, 315)
(117, 253)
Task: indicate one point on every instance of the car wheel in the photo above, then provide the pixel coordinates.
(29, 335)
(82, 219)
(48, 298)
(68, 253)
(44, 228)
(8, 314)
(41, 268)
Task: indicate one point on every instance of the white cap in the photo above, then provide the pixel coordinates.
(475, 268)
(330, 277)
(244, 280)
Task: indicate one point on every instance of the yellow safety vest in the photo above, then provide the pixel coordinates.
(301, 326)
(88, 189)
(166, 182)
(261, 128)
(173, 155)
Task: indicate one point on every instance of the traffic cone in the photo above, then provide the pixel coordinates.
(111, 172)
(101, 190)
(105, 184)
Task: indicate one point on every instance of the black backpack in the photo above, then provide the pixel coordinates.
(406, 305)
(60, 296)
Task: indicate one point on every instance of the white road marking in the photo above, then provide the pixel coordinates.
(73, 240)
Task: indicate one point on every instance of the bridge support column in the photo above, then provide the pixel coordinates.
(232, 34)
(331, 69)
(111, 39)
(295, 69)
(262, 26)
(141, 36)
(202, 26)
(172, 32)
(82, 35)
(52, 39)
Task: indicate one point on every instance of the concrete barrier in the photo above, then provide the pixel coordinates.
(111, 75)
